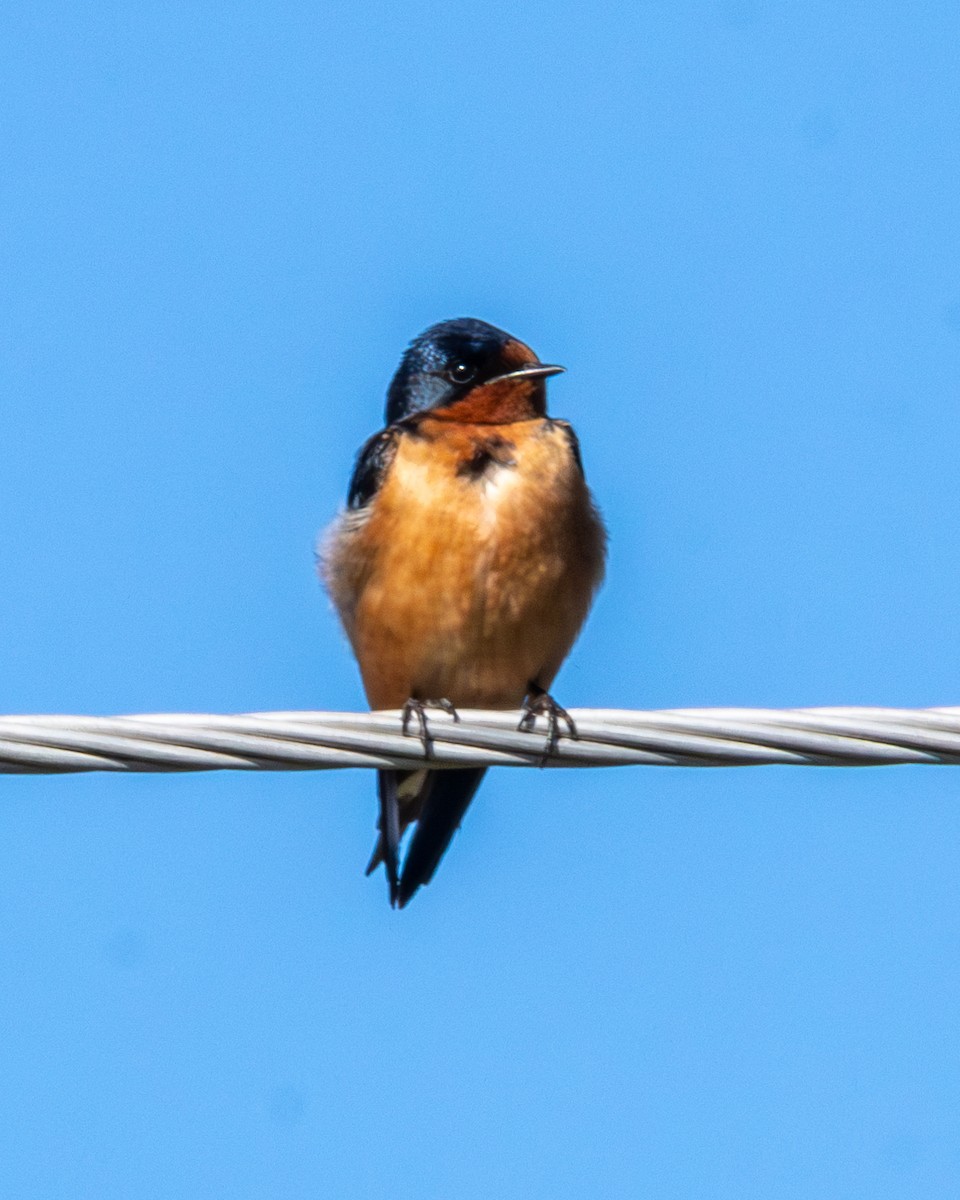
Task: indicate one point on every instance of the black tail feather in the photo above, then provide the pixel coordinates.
(448, 796)
(411, 792)
(389, 828)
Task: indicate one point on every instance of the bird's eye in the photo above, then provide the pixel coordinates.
(461, 372)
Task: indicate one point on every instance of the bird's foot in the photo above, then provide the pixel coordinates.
(540, 703)
(417, 709)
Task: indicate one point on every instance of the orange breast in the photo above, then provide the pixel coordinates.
(474, 569)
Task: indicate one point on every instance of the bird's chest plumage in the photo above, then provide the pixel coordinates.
(475, 566)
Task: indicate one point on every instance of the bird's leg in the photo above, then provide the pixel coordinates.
(539, 703)
(390, 829)
(415, 708)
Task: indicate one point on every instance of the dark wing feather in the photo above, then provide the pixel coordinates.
(447, 798)
(372, 464)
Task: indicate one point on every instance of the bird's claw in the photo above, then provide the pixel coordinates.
(540, 703)
(418, 709)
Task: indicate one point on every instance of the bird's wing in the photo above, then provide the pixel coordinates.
(370, 469)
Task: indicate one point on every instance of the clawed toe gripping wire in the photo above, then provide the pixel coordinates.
(541, 704)
(418, 709)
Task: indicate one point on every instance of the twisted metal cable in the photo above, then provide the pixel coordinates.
(284, 741)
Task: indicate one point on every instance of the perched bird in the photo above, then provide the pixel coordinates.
(464, 563)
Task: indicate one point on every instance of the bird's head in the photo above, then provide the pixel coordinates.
(466, 370)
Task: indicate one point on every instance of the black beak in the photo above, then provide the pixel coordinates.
(531, 371)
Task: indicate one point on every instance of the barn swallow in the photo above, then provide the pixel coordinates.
(464, 563)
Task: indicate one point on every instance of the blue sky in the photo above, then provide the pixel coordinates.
(736, 223)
